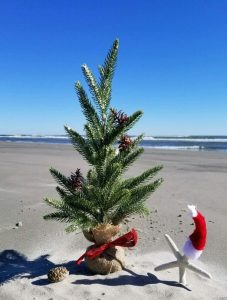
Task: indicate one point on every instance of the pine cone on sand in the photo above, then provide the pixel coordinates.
(57, 274)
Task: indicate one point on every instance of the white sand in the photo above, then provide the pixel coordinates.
(27, 253)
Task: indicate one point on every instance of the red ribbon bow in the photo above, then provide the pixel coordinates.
(127, 240)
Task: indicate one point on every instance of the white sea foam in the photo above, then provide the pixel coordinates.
(183, 139)
(195, 148)
(55, 136)
(149, 138)
(21, 136)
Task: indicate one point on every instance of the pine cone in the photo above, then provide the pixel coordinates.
(57, 274)
(119, 117)
(77, 180)
(125, 143)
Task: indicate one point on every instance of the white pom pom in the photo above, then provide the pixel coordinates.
(193, 210)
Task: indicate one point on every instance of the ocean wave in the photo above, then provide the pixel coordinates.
(211, 139)
(196, 148)
(207, 140)
(215, 143)
(24, 136)
(55, 136)
(149, 138)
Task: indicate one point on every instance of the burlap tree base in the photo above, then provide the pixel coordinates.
(101, 234)
(112, 260)
(108, 257)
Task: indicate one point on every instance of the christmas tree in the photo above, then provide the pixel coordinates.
(103, 196)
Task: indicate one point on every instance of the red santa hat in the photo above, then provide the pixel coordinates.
(196, 242)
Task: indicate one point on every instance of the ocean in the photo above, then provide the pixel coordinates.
(193, 143)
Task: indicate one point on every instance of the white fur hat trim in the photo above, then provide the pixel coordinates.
(190, 251)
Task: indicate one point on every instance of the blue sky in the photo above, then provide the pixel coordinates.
(172, 63)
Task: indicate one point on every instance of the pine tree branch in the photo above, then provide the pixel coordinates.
(110, 174)
(137, 140)
(80, 204)
(127, 210)
(83, 222)
(108, 68)
(130, 157)
(141, 193)
(79, 221)
(91, 136)
(117, 197)
(145, 176)
(107, 73)
(62, 193)
(113, 172)
(55, 203)
(133, 119)
(96, 197)
(116, 132)
(94, 88)
(91, 178)
(59, 216)
(134, 203)
(62, 180)
(80, 144)
(88, 109)
(70, 212)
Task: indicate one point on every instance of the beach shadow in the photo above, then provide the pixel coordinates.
(16, 265)
(131, 279)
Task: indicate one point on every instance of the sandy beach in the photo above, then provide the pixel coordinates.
(29, 251)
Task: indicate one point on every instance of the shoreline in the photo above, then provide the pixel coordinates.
(203, 145)
(146, 148)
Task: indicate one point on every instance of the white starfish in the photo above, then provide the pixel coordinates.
(182, 263)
